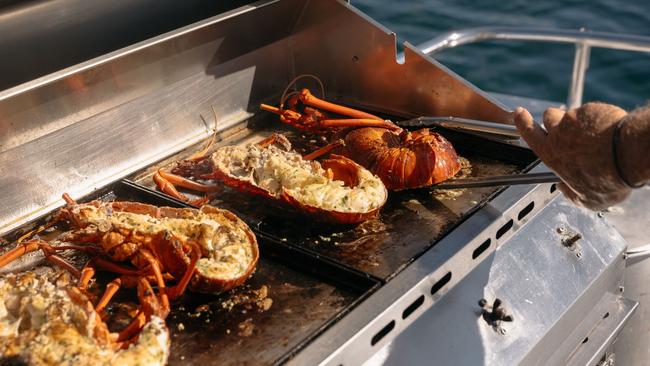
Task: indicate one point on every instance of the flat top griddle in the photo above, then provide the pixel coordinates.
(312, 273)
(410, 222)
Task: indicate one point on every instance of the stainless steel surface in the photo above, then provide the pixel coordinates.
(362, 68)
(631, 219)
(556, 297)
(95, 121)
(580, 65)
(83, 127)
(463, 124)
(206, 49)
(349, 342)
(43, 36)
(601, 339)
(502, 180)
(584, 41)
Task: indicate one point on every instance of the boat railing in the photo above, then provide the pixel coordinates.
(583, 40)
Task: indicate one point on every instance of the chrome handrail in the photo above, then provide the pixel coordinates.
(584, 40)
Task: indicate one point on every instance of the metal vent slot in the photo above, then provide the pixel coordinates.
(481, 248)
(526, 210)
(411, 308)
(441, 283)
(504, 229)
(385, 330)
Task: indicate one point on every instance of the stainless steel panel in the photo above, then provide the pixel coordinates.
(47, 104)
(555, 297)
(357, 61)
(43, 36)
(81, 128)
(631, 219)
(349, 341)
(601, 338)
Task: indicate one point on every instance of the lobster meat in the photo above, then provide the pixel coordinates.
(208, 250)
(402, 159)
(336, 190)
(46, 320)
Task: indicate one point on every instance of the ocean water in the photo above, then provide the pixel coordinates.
(539, 70)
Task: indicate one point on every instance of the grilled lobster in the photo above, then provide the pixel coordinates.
(210, 250)
(46, 320)
(336, 190)
(402, 159)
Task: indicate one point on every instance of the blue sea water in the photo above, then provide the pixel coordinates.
(539, 70)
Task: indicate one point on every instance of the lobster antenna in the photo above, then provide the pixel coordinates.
(286, 94)
(199, 154)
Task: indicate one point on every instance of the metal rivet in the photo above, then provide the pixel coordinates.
(502, 331)
(601, 214)
(561, 230)
(578, 255)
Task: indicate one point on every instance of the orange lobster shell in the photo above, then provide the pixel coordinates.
(402, 159)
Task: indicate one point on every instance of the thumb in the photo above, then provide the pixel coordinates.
(531, 132)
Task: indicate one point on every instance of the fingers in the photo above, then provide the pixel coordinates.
(569, 193)
(532, 133)
(552, 117)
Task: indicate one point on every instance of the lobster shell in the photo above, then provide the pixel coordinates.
(403, 160)
(323, 215)
(174, 258)
(211, 285)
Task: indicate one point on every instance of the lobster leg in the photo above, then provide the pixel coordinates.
(155, 267)
(309, 99)
(177, 290)
(111, 290)
(114, 267)
(359, 122)
(87, 273)
(277, 139)
(149, 306)
(167, 183)
(32, 246)
(323, 150)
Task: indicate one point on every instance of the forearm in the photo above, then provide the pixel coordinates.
(634, 150)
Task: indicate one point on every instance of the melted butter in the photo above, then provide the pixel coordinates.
(278, 171)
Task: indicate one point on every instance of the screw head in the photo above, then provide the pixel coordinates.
(561, 230)
(578, 255)
(502, 331)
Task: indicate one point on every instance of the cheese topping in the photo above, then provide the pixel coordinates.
(226, 248)
(277, 171)
(42, 325)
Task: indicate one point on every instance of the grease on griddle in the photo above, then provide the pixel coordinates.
(452, 194)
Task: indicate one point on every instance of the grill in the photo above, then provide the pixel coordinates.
(100, 129)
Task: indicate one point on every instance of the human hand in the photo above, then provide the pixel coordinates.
(577, 145)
